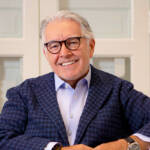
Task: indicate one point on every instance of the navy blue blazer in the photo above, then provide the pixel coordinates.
(31, 117)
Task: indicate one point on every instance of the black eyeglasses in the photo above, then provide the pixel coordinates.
(72, 43)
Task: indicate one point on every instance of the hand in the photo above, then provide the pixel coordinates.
(115, 145)
(77, 147)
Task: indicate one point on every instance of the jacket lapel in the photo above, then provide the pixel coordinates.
(98, 91)
(47, 99)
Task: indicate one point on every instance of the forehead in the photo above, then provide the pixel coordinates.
(61, 29)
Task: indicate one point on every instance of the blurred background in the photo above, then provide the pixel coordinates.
(121, 29)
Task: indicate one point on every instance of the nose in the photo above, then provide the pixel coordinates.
(65, 52)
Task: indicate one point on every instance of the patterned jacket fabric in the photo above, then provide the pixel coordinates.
(30, 118)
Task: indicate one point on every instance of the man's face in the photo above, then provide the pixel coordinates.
(69, 65)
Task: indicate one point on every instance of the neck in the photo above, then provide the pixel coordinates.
(73, 83)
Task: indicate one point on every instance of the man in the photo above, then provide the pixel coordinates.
(77, 107)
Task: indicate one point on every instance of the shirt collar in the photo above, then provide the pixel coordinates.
(61, 83)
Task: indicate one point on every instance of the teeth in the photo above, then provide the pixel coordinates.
(67, 63)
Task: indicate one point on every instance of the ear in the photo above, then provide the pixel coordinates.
(45, 53)
(92, 47)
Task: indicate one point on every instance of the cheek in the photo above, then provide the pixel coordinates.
(51, 59)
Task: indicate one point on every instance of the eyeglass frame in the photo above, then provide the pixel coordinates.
(65, 42)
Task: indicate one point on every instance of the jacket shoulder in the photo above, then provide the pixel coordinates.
(28, 85)
(109, 79)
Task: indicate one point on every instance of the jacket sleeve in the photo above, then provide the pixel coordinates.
(13, 120)
(136, 107)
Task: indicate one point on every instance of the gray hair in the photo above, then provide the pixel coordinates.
(65, 14)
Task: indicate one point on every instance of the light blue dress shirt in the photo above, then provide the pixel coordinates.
(71, 103)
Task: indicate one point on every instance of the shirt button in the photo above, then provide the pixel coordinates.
(66, 86)
(69, 133)
(71, 116)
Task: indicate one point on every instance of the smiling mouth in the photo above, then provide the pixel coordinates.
(68, 63)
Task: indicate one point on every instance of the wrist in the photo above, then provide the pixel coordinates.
(123, 144)
(132, 144)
